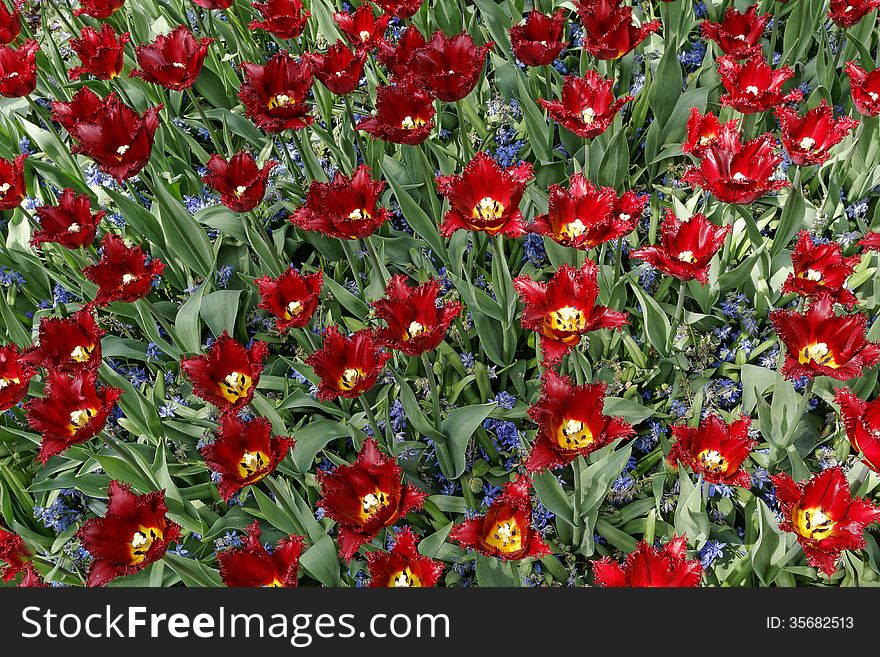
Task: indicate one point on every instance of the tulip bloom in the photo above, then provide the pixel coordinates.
(99, 9)
(450, 66)
(12, 182)
(228, 374)
(13, 553)
(101, 52)
(824, 515)
(540, 39)
(347, 208)
(571, 423)
(70, 223)
(609, 32)
(754, 86)
(85, 107)
(820, 343)
(404, 114)
(240, 182)
(734, 172)
(361, 27)
(585, 216)
(704, 130)
(739, 34)
(403, 567)
(415, 322)
(587, 105)
(134, 533)
(399, 58)
(820, 269)
(15, 376)
(506, 530)
(810, 138)
(68, 344)
(274, 94)
(686, 247)
(870, 241)
(865, 89)
(648, 566)
(173, 61)
(715, 450)
(244, 453)
(485, 197)
(846, 13)
(861, 419)
(564, 309)
(18, 69)
(292, 298)
(10, 22)
(73, 411)
(286, 19)
(32, 579)
(347, 366)
(124, 273)
(365, 497)
(402, 9)
(253, 565)
(339, 69)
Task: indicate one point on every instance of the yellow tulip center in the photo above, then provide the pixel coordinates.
(712, 460)
(488, 209)
(235, 386)
(505, 536)
(142, 541)
(573, 435)
(372, 503)
(813, 523)
(819, 353)
(252, 463)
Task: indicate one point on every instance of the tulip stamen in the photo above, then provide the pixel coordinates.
(405, 579)
(279, 100)
(81, 353)
(807, 143)
(573, 229)
(142, 541)
(813, 523)
(752, 89)
(294, 308)
(235, 385)
(811, 275)
(414, 330)
(128, 278)
(568, 319)
(410, 123)
(588, 115)
(350, 378)
(505, 536)
(252, 463)
(73, 228)
(81, 417)
(372, 503)
(488, 209)
(4, 382)
(241, 189)
(360, 214)
(819, 353)
(574, 435)
(712, 460)
(687, 256)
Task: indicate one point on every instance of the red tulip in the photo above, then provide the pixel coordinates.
(404, 114)
(10, 22)
(715, 450)
(73, 411)
(253, 565)
(12, 182)
(585, 216)
(347, 208)
(244, 453)
(403, 567)
(648, 566)
(824, 515)
(134, 533)
(67, 344)
(570, 422)
(70, 223)
(32, 579)
(85, 107)
(564, 309)
(98, 8)
(274, 94)
(399, 58)
(754, 86)
(13, 553)
(15, 376)
(173, 61)
(18, 69)
(214, 4)
(361, 27)
(870, 241)
(365, 497)
(704, 130)
(101, 52)
(820, 343)
(228, 374)
(609, 32)
(123, 273)
(415, 322)
(820, 269)
(810, 138)
(292, 298)
(286, 19)
(734, 172)
(485, 197)
(865, 89)
(506, 530)
(339, 69)
(861, 419)
(240, 182)
(739, 34)
(450, 66)
(587, 105)
(846, 13)
(540, 39)
(402, 9)
(686, 247)
(347, 366)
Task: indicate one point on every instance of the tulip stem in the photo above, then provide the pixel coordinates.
(435, 391)
(371, 417)
(679, 310)
(204, 117)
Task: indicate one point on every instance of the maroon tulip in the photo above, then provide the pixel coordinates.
(361, 27)
(214, 4)
(810, 138)
(18, 69)
(402, 9)
(404, 114)
(292, 298)
(240, 182)
(98, 8)
(754, 86)
(285, 19)
(450, 66)
(67, 344)
(173, 61)
(15, 376)
(820, 269)
(587, 105)
(703, 130)
(399, 58)
(228, 375)
(339, 69)
(274, 94)
(70, 223)
(101, 52)
(10, 22)
(609, 32)
(739, 34)
(846, 13)
(865, 89)
(124, 273)
(540, 39)
(12, 182)
(253, 565)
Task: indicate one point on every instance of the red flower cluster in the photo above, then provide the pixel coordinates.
(820, 269)
(587, 105)
(716, 450)
(648, 566)
(253, 565)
